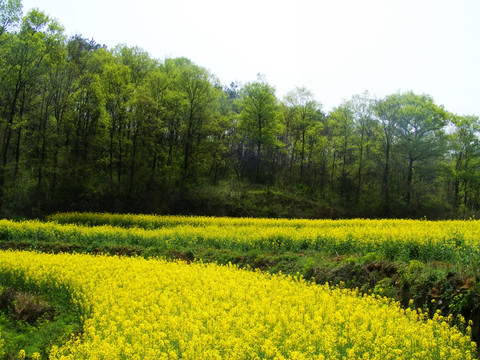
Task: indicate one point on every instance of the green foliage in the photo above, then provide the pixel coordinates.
(30, 323)
(384, 288)
(10, 14)
(258, 122)
(89, 128)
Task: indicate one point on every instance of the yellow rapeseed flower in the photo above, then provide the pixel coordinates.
(154, 309)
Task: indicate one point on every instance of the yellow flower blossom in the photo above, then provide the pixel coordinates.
(407, 239)
(135, 308)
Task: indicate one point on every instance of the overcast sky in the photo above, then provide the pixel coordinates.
(335, 48)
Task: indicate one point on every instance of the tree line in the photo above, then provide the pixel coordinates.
(87, 127)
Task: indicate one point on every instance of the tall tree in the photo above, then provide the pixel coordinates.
(465, 145)
(341, 130)
(388, 112)
(137, 60)
(117, 91)
(195, 86)
(303, 110)
(10, 14)
(416, 126)
(259, 119)
(365, 128)
(421, 129)
(37, 43)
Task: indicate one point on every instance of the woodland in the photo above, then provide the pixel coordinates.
(84, 127)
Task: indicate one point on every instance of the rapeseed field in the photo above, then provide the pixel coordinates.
(135, 308)
(452, 241)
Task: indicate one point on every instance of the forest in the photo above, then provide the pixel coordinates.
(84, 127)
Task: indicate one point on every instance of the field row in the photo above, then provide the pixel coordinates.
(450, 241)
(134, 308)
(160, 221)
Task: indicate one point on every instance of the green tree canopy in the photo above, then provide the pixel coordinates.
(259, 120)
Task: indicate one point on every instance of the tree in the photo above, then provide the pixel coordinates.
(414, 125)
(258, 119)
(10, 14)
(302, 111)
(365, 126)
(117, 91)
(142, 125)
(30, 51)
(387, 110)
(341, 130)
(465, 145)
(421, 136)
(137, 60)
(194, 85)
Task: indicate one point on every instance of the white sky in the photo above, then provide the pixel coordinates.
(335, 48)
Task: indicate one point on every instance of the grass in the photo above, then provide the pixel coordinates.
(31, 323)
